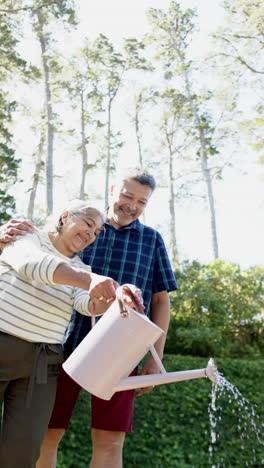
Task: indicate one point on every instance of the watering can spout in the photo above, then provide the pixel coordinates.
(140, 381)
(211, 370)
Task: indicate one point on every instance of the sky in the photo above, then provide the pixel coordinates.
(119, 18)
(239, 198)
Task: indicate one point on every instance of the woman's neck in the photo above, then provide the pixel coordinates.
(58, 243)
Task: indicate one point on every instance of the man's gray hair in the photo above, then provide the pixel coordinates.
(138, 174)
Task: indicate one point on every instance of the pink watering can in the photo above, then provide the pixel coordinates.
(102, 362)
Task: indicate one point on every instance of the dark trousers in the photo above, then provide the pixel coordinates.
(28, 381)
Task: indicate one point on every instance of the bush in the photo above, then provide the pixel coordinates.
(172, 424)
(218, 309)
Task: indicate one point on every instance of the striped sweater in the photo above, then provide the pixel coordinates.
(32, 306)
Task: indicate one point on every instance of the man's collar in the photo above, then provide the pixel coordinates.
(134, 225)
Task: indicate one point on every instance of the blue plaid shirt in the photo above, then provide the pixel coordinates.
(133, 254)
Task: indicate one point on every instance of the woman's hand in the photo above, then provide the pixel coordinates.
(102, 289)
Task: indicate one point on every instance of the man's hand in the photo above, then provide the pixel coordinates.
(13, 228)
(133, 297)
(150, 367)
(102, 289)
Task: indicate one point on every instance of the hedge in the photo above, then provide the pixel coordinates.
(172, 427)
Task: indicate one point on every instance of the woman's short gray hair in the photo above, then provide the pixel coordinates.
(76, 207)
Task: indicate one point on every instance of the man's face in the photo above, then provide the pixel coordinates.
(128, 201)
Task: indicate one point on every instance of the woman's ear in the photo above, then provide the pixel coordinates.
(64, 216)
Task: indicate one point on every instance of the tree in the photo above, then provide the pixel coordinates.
(15, 6)
(171, 33)
(44, 44)
(139, 103)
(242, 37)
(82, 85)
(8, 162)
(142, 100)
(41, 12)
(175, 131)
(112, 65)
(41, 18)
(10, 63)
(238, 52)
(37, 176)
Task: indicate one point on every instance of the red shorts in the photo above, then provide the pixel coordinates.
(108, 415)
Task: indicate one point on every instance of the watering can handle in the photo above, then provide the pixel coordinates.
(124, 313)
(121, 302)
(125, 288)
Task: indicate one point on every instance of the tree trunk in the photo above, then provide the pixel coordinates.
(173, 242)
(140, 156)
(108, 157)
(204, 164)
(36, 177)
(50, 115)
(84, 151)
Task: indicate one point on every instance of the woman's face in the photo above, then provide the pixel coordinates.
(79, 230)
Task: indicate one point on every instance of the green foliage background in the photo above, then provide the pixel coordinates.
(172, 428)
(218, 310)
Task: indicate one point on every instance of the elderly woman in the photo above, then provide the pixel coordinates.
(41, 280)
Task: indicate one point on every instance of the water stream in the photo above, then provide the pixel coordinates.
(242, 421)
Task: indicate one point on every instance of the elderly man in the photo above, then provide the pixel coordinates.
(129, 252)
